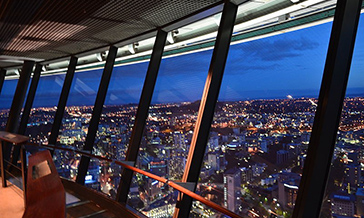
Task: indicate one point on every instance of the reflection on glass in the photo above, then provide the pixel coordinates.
(344, 194)
(79, 108)
(115, 126)
(104, 177)
(262, 124)
(76, 119)
(66, 163)
(118, 115)
(44, 108)
(6, 98)
(169, 129)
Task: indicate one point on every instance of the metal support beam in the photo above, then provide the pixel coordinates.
(2, 78)
(207, 106)
(142, 114)
(62, 101)
(328, 114)
(30, 99)
(96, 114)
(27, 109)
(17, 104)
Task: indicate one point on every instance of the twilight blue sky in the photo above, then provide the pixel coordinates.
(273, 67)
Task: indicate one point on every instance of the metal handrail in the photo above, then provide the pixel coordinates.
(150, 175)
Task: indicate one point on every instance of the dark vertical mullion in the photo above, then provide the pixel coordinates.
(328, 114)
(18, 102)
(57, 122)
(142, 114)
(30, 99)
(27, 109)
(96, 113)
(207, 106)
(2, 78)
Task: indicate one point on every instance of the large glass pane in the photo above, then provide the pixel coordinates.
(6, 98)
(116, 124)
(169, 130)
(44, 108)
(344, 196)
(262, 123)
(76, 120)
(79, 108)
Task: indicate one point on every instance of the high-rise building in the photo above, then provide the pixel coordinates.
(282, 156)
(264, 146)
(214, 161)
(158, 167)
(232, 189)
(342, 204)
(179, 141)
(246, 174)
(288, 184)
(353, 174)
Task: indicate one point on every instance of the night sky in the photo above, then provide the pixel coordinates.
(273, 67)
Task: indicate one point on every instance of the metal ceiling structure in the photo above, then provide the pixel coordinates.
(48, 32)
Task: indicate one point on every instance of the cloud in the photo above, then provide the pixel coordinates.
(273, 49)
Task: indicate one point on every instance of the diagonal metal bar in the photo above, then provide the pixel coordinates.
(62, 101)
(207, 106)
(30, 99)
(327, 118)
(96, 113)
(142, 114)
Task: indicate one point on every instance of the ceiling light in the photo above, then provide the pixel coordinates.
(217, 19)
(131, 48)
(170, 37)
(275, 14)
(98, 56)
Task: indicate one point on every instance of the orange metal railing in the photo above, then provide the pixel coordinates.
(150, 175)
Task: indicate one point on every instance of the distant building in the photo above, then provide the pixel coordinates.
(236, 130)
(353, 174)
(360, 201)
(305, 137)
(214, 161)
(176, 166)
(179, 140)
(268, 181)
(288, 184)
(258, 169)
(213, 143)
(234, 145)
(301, 160)
(154, 188)
(92, 178)
(158, 167)
(282, 156)
(246, 174)
(232, 188)
(342, 204)
(222, 161)
(264, 146)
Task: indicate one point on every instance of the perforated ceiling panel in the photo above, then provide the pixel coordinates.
(47, 29)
